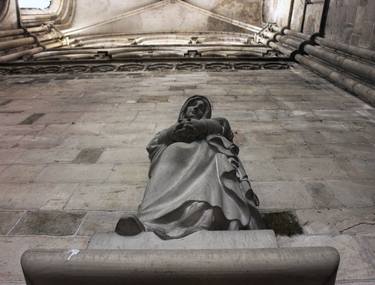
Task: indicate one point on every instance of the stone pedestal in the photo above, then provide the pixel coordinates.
(292, 266)
(198, 240)
(206, 257)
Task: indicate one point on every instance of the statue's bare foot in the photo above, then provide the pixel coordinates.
(129, 226)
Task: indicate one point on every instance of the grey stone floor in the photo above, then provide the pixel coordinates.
(73, 159)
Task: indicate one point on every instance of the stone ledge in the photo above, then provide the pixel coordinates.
(292, 266)
(198, 240)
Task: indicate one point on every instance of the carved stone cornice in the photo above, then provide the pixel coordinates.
(143, 66)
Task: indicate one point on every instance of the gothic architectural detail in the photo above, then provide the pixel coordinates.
(159, 67)
(75, 69)
(151, 67)
(85, 85)
(218, 66)
(348, 67)
(189, 66)
(103, 68)
(60, 13)
(131, 67)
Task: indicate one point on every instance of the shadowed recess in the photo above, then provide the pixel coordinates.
(6, 102)
(88, 155)
(283, 223)
(32, 119)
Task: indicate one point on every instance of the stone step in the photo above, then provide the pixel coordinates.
(199, 240)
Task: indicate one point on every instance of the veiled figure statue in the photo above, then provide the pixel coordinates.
(196, 180)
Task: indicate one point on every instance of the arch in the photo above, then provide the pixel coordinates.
(60, 12)
(33, 4)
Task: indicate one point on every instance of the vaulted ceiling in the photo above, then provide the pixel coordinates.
(165, 16)
(227, 27)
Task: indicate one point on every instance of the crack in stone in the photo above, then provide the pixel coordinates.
(356, 225)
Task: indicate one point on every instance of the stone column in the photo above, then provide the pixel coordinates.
(348, 67)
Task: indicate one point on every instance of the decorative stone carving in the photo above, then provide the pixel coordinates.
(160, 67)
(103, 68)
(275, 66)
(189, 66)
(144, 67)
(49, 69)
(218, 67)
(23, 70)
(4, 71)
(131, 67)
(196, 180)
(247, 66)
(75, 68)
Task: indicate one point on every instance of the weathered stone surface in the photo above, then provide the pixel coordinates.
(35, 196)
(51, 223)
(107, 196)
(338, 221)
(99, 222)
(309, 168)
(59, 118)
(13, 247)
(352, 263)
(108, 117)
(283, 195)
(68, 173)
(358, 16)
(355, 282)
(39, 156)
(262, 171)
(8, 220)
(125, 155)
(198, 240)
(306, 145)
(322, 196)
(42, 141)
(32, 118)
(9, 156)
(146, 127)
(21, 173)
(88, 156)
(312, 266)
(352, 193)
(129, 174)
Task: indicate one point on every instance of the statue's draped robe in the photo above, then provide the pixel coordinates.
(195, 186)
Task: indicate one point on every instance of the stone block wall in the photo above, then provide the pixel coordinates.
(73, 159)
(276, 11)
(351, 22)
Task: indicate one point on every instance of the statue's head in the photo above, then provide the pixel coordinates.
(196, 107)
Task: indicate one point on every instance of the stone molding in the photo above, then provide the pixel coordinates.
(60, 12)
(216, 66)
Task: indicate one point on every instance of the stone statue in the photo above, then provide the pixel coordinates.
(196, 180)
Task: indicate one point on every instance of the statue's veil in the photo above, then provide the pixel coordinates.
(208, 110)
